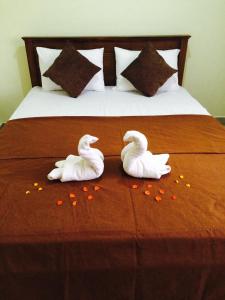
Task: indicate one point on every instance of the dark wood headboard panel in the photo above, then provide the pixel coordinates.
(132, 43)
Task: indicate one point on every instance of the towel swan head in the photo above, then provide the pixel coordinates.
(135, 136)
(86, 140)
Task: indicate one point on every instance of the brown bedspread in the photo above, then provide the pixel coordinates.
(122, 244)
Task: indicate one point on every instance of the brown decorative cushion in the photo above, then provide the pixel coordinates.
(72, 71)
(148, 71)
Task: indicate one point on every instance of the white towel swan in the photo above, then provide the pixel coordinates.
(88, 165)
(138, 162)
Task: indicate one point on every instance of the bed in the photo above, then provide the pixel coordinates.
(122, 244)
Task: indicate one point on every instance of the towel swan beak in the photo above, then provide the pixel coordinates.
(89, 139)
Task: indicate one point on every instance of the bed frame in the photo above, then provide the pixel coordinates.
(132, 43)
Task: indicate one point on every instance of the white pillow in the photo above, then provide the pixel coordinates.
(47, 57)
(171, 58)
(125, 57)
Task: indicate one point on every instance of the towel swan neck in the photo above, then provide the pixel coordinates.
(93, 156)
(138, 143)
(85, 141)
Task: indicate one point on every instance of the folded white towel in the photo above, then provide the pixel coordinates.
(88, 165)
(138, 162)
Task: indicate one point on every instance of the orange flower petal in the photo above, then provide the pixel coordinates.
(147, 192)
(72, 195)
(84, 188)
(188, 185)
(134, 186)
(90, 197)
(177, 181)
(36, 184)
(27, 192)
(158, 198)
(59, 202)
(161, 191)
(97, 188)
(40, 189)
(149, 186)
(74, 203)
(181, 176)
(173, 197)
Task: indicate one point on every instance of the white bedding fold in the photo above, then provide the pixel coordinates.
(40, 103)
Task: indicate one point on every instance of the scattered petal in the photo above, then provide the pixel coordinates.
(27, 192)
(74, 203)
(188, 185)
(181, 176)
(90, 197)
(36, 184)
(149, 186)
(97, 188)
(59, 202)
(158, 198)
(72, 195)
(147, 192)
(177, 181)
(40, 189)
(84, 188)
(161, 191)
(134, 186)
(173, 197)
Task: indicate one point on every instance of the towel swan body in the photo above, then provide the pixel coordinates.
(88, 165)
(140, 163)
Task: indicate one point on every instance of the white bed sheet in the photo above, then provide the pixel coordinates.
(40, 103)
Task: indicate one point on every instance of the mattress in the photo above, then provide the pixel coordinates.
(40, 103)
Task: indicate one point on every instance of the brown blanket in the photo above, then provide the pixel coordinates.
(122, 244)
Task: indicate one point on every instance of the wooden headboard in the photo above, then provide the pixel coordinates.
(132, 43)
